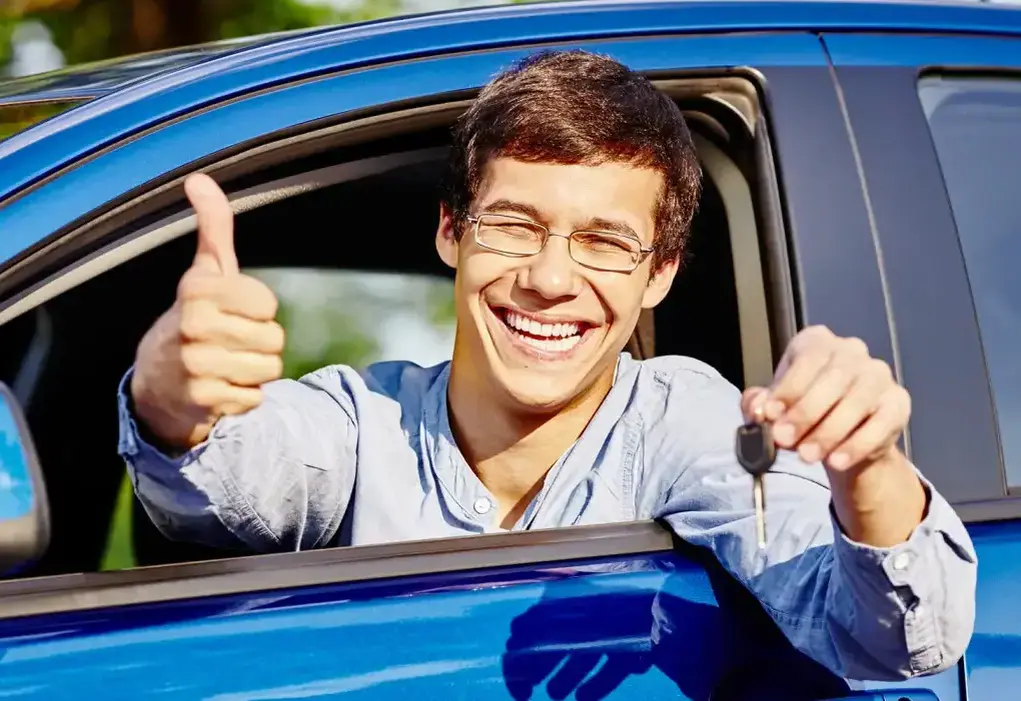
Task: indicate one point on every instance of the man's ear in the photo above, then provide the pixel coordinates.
(446, 242)
(660, 282)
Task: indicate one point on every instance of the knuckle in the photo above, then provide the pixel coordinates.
(902, 399)
(263, 299)
(838, 375)
(192, 360)
(816, 332)
(272, 304)
(276, 367)
(825, 437)
(193, 321)
(881, 370)
(193, 285)
(796, 415)
(199, 392)
(856, 346)
(278, 338)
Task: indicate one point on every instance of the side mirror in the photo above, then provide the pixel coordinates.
(24, 511)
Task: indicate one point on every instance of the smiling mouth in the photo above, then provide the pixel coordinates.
(559, 337)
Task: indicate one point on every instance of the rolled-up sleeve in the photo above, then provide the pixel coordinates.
(866, 613)
(922, 591)
(277, 478)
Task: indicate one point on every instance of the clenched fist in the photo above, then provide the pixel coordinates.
(833, 402)
(207, 356)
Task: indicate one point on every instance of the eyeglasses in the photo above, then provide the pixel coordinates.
(520, 237)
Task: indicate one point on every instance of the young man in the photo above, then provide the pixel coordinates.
(572, 186)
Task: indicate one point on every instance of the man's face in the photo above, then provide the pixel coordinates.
(541, 330)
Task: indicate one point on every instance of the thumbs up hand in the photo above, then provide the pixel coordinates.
(208, 355)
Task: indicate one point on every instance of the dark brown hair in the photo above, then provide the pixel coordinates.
(576, 107)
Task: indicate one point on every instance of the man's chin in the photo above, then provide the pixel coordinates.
(544, 392)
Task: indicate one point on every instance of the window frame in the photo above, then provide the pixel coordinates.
(1015, 77)
(787, 94)
(911, 212)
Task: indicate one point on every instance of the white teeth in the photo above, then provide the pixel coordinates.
(558, 337)
(558, 330)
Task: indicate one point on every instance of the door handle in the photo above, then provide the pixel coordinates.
(890, 695)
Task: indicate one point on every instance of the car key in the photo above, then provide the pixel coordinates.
(756, 453)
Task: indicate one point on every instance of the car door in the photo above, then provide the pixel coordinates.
(514, 616)
(937, 122)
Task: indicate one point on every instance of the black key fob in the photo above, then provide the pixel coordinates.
(756, 451)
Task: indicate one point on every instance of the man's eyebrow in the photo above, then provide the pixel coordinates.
(613, 226)
(521, 208)
(594, 224)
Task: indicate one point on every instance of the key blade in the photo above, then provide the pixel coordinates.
(760, 511)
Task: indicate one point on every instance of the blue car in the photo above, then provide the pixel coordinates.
(863, 170)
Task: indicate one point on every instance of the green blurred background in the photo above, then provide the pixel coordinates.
(331, 316)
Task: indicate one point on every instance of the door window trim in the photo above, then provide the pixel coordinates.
(162, 198)
(22, 598)
(912, 213)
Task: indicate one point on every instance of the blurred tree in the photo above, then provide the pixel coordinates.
(92, 30)
(348, 341)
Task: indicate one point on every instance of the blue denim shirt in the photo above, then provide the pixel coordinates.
(378, 444)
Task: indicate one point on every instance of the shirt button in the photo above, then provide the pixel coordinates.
(482, 505)
(901, 561)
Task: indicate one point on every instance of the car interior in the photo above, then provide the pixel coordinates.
(325, 199)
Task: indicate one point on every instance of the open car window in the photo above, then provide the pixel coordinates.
(348, 295)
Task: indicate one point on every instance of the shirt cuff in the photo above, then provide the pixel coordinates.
(918, 576)
(130, 444)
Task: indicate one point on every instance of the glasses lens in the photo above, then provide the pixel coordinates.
(510, 234)
(605, 251)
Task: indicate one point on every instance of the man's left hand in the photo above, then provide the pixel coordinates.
(832, 402)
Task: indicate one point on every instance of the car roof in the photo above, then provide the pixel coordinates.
(157, 88)
(90, 81)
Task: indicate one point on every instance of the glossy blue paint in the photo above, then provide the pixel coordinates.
(32, 154)
(91, 80)
(645, 628)
(45, 209)
(993, 660)
(17, 496)
(651, 627)
(926, 52)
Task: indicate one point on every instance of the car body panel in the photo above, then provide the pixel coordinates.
(97, 79)
(503, 634)
(455, 635)
(98, 180)
(89, 81)
(531, 632)
(953, 424)
(993, 660)
(293, 57)
(464, 636)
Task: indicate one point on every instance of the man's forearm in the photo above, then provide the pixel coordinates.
(879, 504)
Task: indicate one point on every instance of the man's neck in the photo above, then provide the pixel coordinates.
(512, 452)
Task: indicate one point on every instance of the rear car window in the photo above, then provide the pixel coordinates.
(20, 116)
(976, 128)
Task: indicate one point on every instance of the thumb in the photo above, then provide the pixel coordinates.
(215, 251)
(753, 403)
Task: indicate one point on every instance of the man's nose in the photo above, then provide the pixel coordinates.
(551, 272)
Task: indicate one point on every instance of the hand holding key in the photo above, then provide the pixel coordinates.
(832, 402)
(208, 355)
